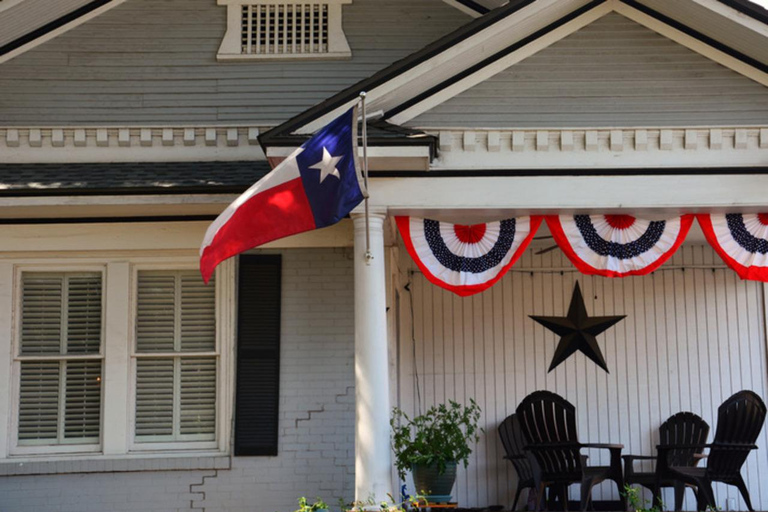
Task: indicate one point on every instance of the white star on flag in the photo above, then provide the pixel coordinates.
(327, 166)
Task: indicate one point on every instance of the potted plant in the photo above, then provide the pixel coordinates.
(432, 444)
(318, 506)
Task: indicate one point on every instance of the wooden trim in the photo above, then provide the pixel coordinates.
(470, 7)
(499, 62)
(566, 26)
(694, 40)
(56, 28)
(344, 99)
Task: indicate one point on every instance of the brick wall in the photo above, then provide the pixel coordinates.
(316, 451)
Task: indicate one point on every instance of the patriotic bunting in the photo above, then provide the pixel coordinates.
(741, 240)
(618, 245)
(466, 259)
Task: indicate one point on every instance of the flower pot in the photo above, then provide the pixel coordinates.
(429, 481)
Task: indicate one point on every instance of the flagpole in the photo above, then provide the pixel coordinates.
(368, 253)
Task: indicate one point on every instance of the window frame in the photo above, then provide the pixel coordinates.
(17, 448)
(136, 445)
(116, 433)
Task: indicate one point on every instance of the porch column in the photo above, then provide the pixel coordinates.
(372, 447)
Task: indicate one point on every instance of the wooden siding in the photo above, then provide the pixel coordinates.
(150, 61)
(613, 72)
(694, 335)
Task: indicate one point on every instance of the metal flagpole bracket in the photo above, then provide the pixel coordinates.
(368, 253)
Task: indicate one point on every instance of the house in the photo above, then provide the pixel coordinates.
(127, 126)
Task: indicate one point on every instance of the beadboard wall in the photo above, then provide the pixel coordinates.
(694, 334)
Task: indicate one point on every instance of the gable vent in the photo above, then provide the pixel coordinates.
(284, 29)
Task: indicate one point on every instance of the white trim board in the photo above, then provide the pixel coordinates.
(61, 30)
(607, 148)
(493, 39)
(564, 31)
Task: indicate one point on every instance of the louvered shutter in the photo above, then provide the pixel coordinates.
(60, 400)
(175, 394)
(39, 401)
(258, 355)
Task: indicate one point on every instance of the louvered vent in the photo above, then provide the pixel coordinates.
(289, 28)
(175, 391)
(60, 396)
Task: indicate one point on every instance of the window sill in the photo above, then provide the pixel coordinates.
(239, 57)
(113, 464)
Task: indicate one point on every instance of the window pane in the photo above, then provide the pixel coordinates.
(41, 309)
(39, 401)
(154, 397)
(198, 313)
(198, 396)
(84, 314)
(82, 411)
(155, 316)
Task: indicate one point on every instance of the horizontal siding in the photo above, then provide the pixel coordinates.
(151, 61)
(691, 338)
(613, 72)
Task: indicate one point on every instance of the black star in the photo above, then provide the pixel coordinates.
(577, 331)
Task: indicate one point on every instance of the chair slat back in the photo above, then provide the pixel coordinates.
(739, 422)
(514, 445)
(549, 419)
(684, 428)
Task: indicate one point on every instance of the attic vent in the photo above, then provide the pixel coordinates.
(284, 29)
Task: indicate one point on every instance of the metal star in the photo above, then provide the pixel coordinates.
(327, 166)
(577, 331)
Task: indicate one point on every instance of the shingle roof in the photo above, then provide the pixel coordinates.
(130, 178)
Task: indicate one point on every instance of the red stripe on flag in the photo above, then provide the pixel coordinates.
(277, 212)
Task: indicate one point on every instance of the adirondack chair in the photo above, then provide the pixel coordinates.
(684, 428)
(548, 423)
(739, 421)
(513, 442)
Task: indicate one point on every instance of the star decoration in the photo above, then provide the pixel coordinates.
(327, 166)
(577, 331)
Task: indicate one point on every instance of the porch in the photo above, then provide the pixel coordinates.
(693, 336)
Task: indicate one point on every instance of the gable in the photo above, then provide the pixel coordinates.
(152, 62)
(613, 72)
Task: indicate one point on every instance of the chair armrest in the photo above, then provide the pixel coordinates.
(630, 458)
(515, 457)
(700, 455)
(606, 446)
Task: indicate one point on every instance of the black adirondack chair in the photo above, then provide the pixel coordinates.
(548, 423)
(739, 421)
(684, 428)
(514, 446)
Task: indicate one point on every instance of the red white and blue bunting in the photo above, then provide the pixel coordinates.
(618, 245)
(741, 240)
(466, 259)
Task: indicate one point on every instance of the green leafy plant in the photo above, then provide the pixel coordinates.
(441, 435)
(638, 504)
(305, 506)
(384, 506)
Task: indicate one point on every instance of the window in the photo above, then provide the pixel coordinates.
(117, 358)
(60, 359)
(175, 357)
(284, 29)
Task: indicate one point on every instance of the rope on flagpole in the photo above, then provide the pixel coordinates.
(368, 253)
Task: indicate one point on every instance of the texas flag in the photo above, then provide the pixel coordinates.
(318, 185)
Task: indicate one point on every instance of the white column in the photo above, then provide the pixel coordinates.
(373, 468)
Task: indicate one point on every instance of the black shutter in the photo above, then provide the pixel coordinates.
(258, 355)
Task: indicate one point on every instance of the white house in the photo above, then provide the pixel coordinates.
(127, 126)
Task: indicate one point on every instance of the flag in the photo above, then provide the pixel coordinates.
(315, 187)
